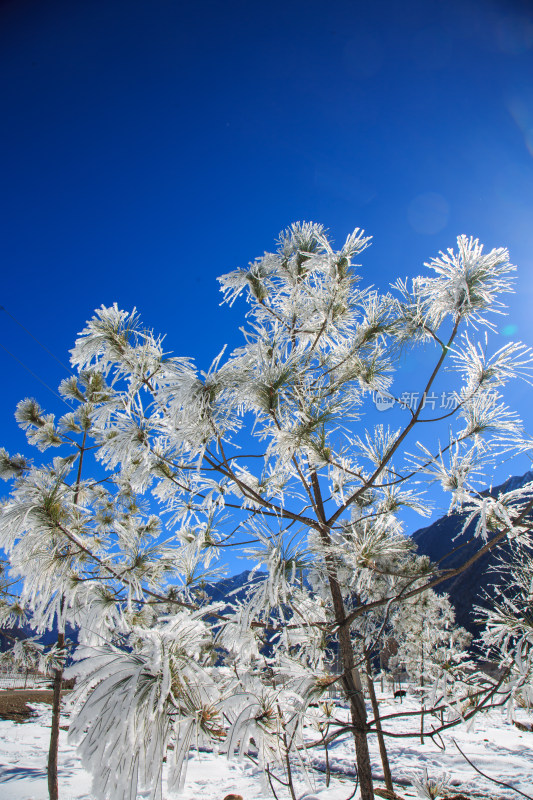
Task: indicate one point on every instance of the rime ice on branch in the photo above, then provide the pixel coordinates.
(266, 451)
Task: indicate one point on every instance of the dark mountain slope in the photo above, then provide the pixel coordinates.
(443, 536)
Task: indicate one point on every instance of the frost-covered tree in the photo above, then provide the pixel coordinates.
(6, 594)
(87, 547)
(10, 612)
(507, 638)
(267, 451)
(371, 630)
(427, 636)
(4, 580)
(431, 648)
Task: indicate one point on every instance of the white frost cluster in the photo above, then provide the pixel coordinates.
(160, 466)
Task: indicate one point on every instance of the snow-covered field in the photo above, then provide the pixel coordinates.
(494, 745)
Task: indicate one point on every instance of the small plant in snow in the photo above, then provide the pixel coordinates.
(430, 788)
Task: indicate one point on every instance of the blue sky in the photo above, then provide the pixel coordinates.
(149, 146)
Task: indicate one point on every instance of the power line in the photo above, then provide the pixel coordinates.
(2, 308)
(22, 364)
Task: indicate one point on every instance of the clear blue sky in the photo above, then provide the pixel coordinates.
(148, 146)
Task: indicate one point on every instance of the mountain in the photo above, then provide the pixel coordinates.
(227, 590)
(8, 635)
(232, 588)
(443, 536)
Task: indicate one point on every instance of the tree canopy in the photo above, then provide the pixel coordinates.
(161, 466)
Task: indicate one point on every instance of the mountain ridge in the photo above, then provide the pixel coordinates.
(445, 542)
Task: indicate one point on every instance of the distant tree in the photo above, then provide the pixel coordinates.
(267, 451)
(431, 647)
(11, 613)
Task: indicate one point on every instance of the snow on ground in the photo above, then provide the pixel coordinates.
(23, 754)
(493, 744)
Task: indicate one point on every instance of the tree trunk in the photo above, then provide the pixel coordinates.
(379, 730)
(53, 789)
(351, 678)
(422, 705)
(353, 689)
